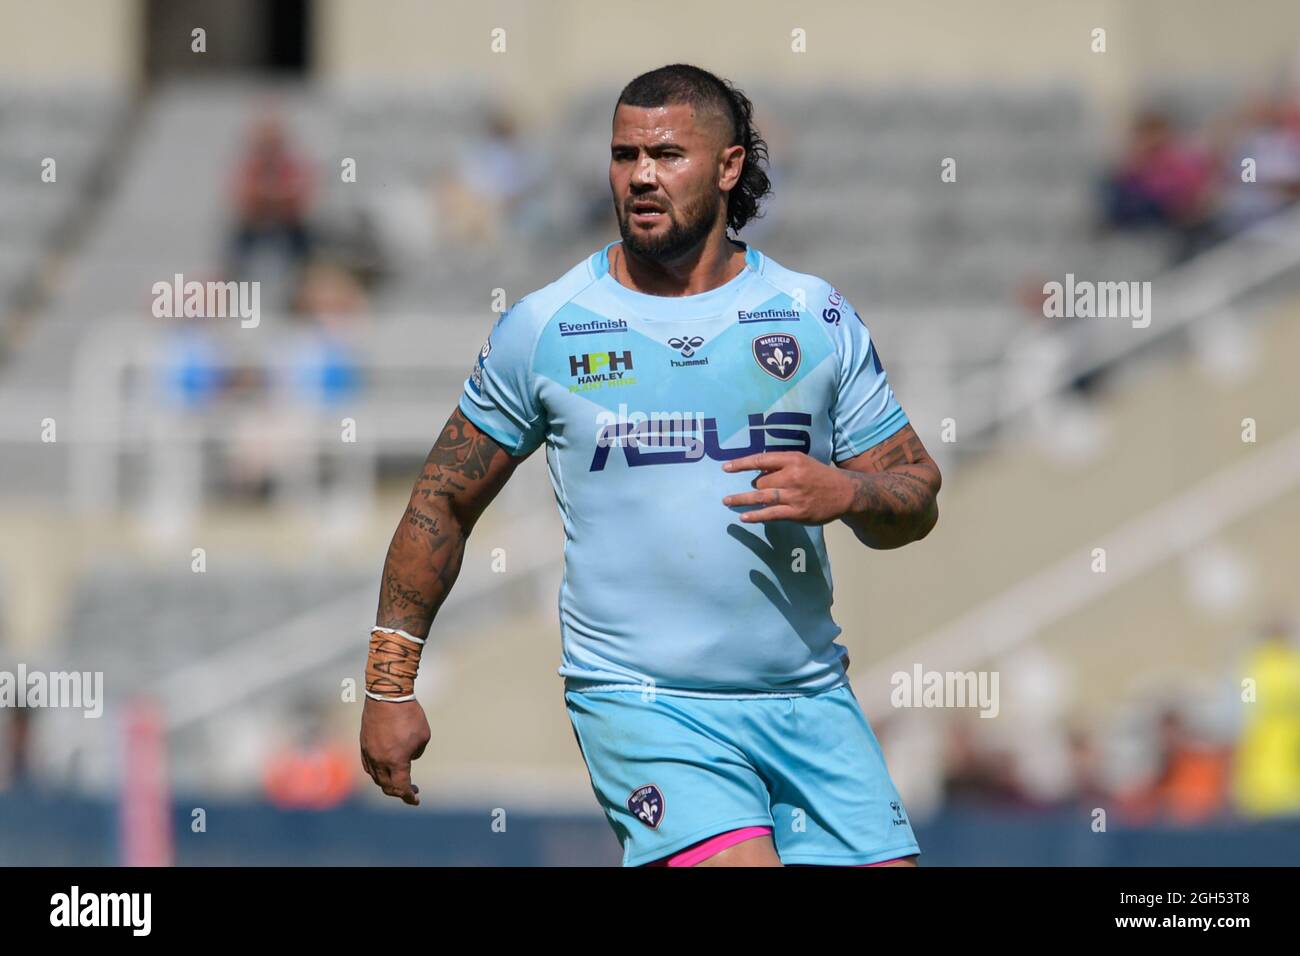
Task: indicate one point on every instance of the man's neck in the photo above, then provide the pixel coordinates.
(716, 264)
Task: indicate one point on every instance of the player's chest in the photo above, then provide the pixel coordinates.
(692, 367)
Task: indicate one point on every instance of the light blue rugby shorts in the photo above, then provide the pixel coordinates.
(670, 771)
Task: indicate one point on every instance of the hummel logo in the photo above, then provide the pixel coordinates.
(686, 346)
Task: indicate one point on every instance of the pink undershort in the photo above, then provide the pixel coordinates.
(716, 844)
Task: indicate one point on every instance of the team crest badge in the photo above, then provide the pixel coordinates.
(647, 805)
(476, 373)
(777, 354)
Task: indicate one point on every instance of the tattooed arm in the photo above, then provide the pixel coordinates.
(895, 491)
(461, 476)
(463, 473)
(887, 495)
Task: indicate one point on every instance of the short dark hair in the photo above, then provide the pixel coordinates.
(681, 83)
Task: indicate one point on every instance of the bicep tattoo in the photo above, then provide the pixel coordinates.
(901, 448)
(464, 465)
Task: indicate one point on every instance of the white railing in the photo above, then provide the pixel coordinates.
(1198, 289)
(119, 406)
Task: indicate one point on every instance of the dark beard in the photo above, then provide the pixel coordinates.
(680, 239)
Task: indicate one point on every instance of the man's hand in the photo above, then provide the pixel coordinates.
(888, 494)
(392, 735)
(462, 474)
(792, 487)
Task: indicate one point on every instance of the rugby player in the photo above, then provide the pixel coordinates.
(705, 411)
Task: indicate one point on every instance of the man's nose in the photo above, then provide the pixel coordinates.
(645, 170)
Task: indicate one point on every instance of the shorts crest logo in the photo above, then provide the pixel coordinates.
(777, 354)
(647, 805)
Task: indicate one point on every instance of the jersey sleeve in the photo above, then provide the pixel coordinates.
(500, 395)
(865, 412)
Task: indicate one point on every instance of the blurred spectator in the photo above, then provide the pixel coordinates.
(1267, 132)
(312, 770)
(1267, 777)
(271, 445)
(313, 776)
(1087, 786)
(272, 197)
(974, 775)
(192, 371)
(191, 375)
(271, 400)
(1191, 782)
(15, 771)
(1163, 181)
(331, 293)
(498, 185)
(330, 305)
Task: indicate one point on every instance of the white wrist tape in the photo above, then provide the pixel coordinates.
(391, 700)
(398, 631)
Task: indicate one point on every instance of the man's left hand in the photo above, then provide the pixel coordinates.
(792, 487)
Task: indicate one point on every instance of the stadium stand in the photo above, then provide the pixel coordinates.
(859, 200)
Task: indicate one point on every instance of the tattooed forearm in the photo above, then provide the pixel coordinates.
(421, 521)
(402, 599)
(462, 473)
(891, 509)
(895, 492)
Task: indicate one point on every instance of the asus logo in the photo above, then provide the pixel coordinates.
(675, 439)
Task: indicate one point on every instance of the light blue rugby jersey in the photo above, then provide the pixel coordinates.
(640, 399)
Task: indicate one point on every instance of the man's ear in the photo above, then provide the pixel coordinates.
(725, 158)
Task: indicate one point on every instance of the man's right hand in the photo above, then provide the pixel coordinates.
(463, 472)
(392, 735)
